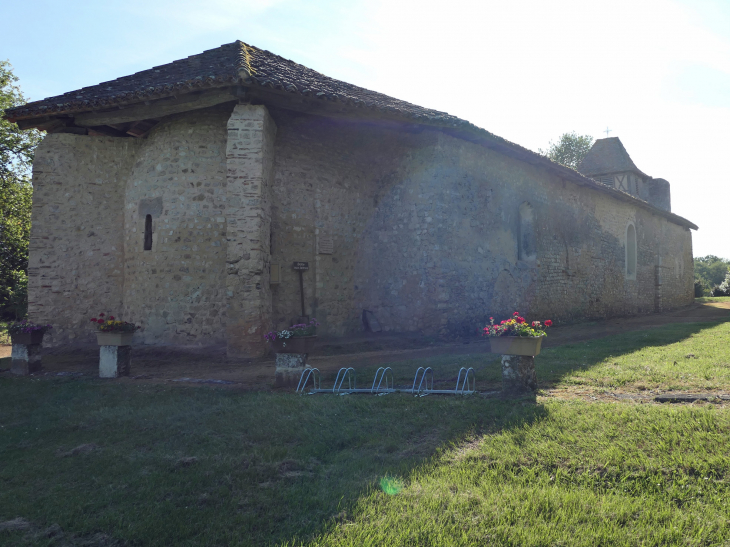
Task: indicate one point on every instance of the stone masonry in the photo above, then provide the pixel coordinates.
(249, 157)
(169, 197)
(421, 228)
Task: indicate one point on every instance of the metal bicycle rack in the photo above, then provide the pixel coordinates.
(308, 373)
(423, 383)
(383, 373)
(425, 373)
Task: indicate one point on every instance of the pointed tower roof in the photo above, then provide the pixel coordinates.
(607, 156)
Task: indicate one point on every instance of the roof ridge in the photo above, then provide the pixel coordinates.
(238, 62)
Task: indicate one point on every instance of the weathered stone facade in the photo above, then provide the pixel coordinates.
(426, 236)
(428, 223)
(176, 289)
(76, 265)
(423, 230)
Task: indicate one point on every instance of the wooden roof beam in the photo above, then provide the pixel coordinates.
(157, 109)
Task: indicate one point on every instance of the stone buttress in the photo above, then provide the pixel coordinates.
(249, 159)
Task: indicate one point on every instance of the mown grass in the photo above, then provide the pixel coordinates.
(712, 299)
(677, 357)
(568, 473)
(199, 466)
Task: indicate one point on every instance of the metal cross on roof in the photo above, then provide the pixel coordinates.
(607, 131)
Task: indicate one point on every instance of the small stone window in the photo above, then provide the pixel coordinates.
(148, 233)
(630, 252)
(526, 248)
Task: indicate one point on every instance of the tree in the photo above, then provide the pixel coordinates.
(710, 271)
(16, 191)
(570, 149)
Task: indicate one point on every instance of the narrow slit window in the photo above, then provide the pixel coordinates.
(526, 248)
(148, 233)
(631, 251)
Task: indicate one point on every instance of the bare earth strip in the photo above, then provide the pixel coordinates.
(155, 363)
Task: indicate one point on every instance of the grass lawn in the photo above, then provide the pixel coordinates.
(681, 356)
(4, 336)
(712, 299)
(148, 464)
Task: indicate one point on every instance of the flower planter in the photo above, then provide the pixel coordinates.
(295, 344)
(114, 338)
(27, 338)
(516, 345)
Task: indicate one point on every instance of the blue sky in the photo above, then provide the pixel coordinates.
(656, 72)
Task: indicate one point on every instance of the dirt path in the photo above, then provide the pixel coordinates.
(211, 366)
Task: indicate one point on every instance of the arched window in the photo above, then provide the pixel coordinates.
(526, 249)
(148, 233)
(631, 252)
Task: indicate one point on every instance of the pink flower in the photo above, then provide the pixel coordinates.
(516, 313)
(548, 323)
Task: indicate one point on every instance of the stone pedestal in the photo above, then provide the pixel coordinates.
(25, 359)
(518, 374)
(289, 368)
(114, 361)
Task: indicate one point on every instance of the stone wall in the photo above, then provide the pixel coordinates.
(176, 289)
(328, 178)
(418, 227)
(76, 266)
(424, 231)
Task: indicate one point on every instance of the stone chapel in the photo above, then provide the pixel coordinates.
(181, 197)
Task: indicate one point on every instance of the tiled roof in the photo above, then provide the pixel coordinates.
(240, 64)
(235, 63)
(607, 156)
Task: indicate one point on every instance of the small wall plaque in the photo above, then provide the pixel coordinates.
(325, 245)
(301, 266)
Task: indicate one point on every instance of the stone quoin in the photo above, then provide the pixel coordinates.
(170, 194)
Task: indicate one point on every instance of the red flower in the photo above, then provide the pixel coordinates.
(548, 323)
(491, 318)
(533, 324)
(93, 319)
(520, 320)
(111, 318)
(102, 314)
(516, 313)
(503, 322)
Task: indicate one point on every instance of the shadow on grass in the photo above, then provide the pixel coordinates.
(183, 466)
(188, 466)
(554, 365)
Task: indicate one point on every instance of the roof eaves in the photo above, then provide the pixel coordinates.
(246, 73)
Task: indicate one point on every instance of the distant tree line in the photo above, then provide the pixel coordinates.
(16, 193)
(712, 276)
